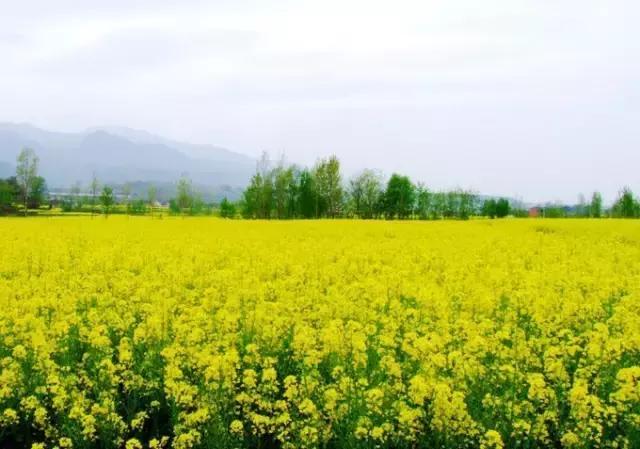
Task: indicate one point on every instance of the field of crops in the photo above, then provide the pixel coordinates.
(140, 332)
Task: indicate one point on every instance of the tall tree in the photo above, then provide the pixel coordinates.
(282, 184)
(399, 197)
(439, 204)
(489, 208)
(595, 208)
(329, 185)
(227, 208)
(466, 204)
(26, 174)
(423, 202)
(94, 186)
(373, 194)
(184, 194)
(364, 191)
(38, 193)
(626, 205)
(107, 199)
(9, 192)
(251, 197)
(356, 194)
(502, 208)
(306, 195)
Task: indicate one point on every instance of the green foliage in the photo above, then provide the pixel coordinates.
(26, 174)
(555, 212)
(107, 199)
(365, 191)
(227, 209)
(284, 191)
(9, 191)
(38, 194)
(184, 197)
(257, 198)
(137, 207)
(496, 208)
(95, 187)
(306, 195)
(489, 208)
(502, 208)
(328, 183)
(519, 212)
(399, 197)
(66, 205)
(423, 202)
(174, 208)
(595, 208)
(626, 206)
(199, 207)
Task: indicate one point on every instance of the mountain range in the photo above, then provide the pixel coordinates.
(117, 155)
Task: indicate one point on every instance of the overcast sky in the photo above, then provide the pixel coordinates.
(537, 99)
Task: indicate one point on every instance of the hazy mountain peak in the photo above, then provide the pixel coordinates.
(120, 154)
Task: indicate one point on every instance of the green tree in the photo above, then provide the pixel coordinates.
(489, 208)
(94, 187)
(251, 197)
(106, 199)
(258, 196)
(198, 206)
(26, 174)
(328, 181)
(399, 197)
(184, 197)
(626, 205)
(9, 192)
(364, 192)
(555, 211)
(595, 208)
(502, 208)
(282, 185)
(439, 205)
(306, 195)
(38, 193)
(265, 191)
(423, 202)
(227, 208)
(174, 208)
(137, 207)
(356, 194)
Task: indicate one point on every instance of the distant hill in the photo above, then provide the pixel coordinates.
(119, 155)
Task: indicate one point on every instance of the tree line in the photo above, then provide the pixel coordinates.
(284, 191)
(288, 191)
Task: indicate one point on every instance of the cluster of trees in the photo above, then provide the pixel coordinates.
(103, 199)
(496, 208)
(26, 189)
(188, 201)
(284, 191)
(626, 206)
(288, 191)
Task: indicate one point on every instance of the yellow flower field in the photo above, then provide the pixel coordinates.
(140, 332)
